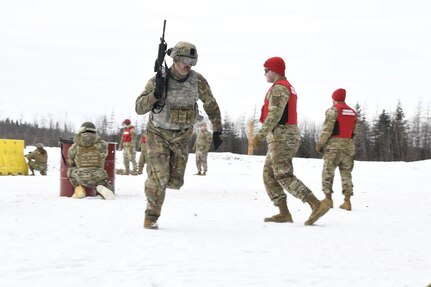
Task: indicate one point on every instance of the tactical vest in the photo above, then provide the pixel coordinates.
(289, 115)
(127, 135)
(89, 156)
(345, 123)
(180, 105)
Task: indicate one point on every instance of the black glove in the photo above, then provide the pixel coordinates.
(160, 84)
(217, 141)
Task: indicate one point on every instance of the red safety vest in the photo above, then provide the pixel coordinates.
(345, 123)
(289, 115)
(143, 139)
(127, 136)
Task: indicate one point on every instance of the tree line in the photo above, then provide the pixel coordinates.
(389, 136)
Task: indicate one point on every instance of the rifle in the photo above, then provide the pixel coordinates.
(160, 74)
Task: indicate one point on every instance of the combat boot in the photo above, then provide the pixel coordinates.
(134, 172)
(150, 224)
(328, 200)
(199, 173)
(318, 209)
(126, 171)
(283, 216)
(79, 192)
(347, 205)
(105, 192)
(205, 173)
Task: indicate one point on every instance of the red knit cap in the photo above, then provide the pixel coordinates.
(339, 95)
(127, 122)
(275, 64)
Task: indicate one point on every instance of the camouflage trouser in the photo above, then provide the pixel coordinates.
(201, 160)
(344, 162)
(88, 176)
(142, 157)
(40, 167)
(278, 172)
(167, 154)
(129, 155)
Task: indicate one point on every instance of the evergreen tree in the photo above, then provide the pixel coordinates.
(399, 134)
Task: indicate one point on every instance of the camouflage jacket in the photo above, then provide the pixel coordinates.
(329, 143)
(203, 141)
(278, 97)
(146, 100)
(40, 157)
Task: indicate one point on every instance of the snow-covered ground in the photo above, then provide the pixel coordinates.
(212, 231)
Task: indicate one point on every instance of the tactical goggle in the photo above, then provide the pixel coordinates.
(188, 61)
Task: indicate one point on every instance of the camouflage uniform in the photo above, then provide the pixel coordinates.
(86, 158)
(38, 160)
(143, 156)
(283, 143)
(337, 152)
(201, 147)
(129, 151)
(169, 132)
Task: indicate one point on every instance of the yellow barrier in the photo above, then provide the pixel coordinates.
(12, 161)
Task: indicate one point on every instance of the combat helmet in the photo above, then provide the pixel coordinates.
(39, 145)
(184, 51)
(87, 127)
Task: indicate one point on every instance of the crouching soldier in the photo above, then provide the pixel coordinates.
(86, 158)
(38, 160)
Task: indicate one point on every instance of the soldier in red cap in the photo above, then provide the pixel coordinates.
(279, 128)
(128, 145)
(337, 145)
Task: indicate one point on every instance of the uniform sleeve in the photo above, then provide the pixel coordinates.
(30, 155)
(71, 155)
(278, 98)
(146, 99)
(120, 145)
(328, 126)
(103, 149)
(209, 104)
(133, 134)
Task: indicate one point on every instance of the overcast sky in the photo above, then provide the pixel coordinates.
(77, 60)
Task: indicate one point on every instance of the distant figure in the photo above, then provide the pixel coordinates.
(86, 160)
(128, 145)
(171, 99)
(38, 160)
(337, 145)
(143, 156)
(279, 127)
(201, 148)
